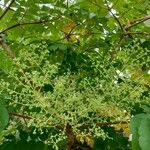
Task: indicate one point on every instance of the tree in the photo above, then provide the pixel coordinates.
(73, 73)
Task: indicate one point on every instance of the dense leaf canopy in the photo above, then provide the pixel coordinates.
(73, 73)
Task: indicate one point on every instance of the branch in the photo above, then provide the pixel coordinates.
(135, 22)
(111, 123)
(6, 10)
(117, 20)
(105, 124)
(137, 33)
(140, 19)
(27, 23)
(19, 115)
(85, 125)
(6, 48)
(109, 9)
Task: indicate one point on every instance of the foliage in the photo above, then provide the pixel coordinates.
(73, 73)
(3, 118)
(140, 129)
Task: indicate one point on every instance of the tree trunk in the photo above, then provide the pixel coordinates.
(72, 143)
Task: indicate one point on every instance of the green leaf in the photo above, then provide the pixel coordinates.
(4, 117)
(146, 109)
(134, 125)
(144, 133)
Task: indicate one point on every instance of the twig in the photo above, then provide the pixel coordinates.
(6, 48)
(85, 125)
(68, 35)
(19, 115)
(111, 123)
(27, 23)
(135, 22)
(138, 33)
(6, 10)
(104, 124)
(117, 20)
(140, 19)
